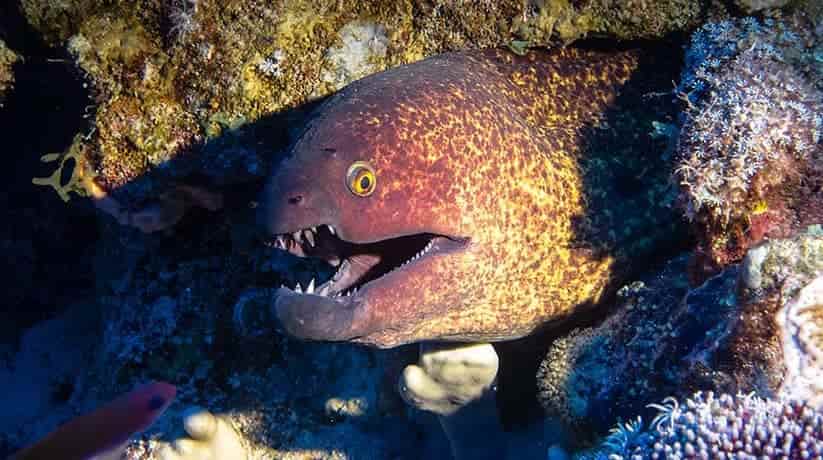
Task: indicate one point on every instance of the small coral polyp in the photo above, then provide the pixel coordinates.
(708, 425)
(750, 140)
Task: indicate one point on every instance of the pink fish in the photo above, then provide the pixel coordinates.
(106, 430)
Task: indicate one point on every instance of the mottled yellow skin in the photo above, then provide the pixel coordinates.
(480, 145)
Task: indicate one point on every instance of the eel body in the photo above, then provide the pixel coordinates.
(451, 195)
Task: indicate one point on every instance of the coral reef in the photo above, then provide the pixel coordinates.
(569, 20)
(729, 335)
(39, 380)
(751, 6)
(749, 150)
(7, 60)
(706, 425)
(802, 339)
(166, 308)
(172, 76)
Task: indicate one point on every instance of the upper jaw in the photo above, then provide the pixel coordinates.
(298, 237)
(357, 264)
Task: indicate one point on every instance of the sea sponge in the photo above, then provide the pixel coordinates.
(564, 386)
(749, 149)
(209, 437)
(449, 377)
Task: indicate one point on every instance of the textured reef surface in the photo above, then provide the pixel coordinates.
(741, 331)
(707, 425)
(749, 152)
(7, 60)
(717, 349)
(170, 77)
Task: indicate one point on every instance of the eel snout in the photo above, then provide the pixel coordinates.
(315, 317)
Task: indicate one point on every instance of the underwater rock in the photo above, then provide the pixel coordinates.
(665, 339)
(750, 6)
(706, 425)
(167, 305)
(43, 382)
(801, 323)
(7, 60)
(627, 20)
(174, 79)
(749, 149)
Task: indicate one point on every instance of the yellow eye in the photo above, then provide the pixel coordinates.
(361, 179)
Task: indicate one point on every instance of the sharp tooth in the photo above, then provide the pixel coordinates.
(310, 289)
(314, 230)
(309, 237)
(331, 229)
(281, 242)
(298, 289)
(323, 290)
(296, 236)
(335, 262)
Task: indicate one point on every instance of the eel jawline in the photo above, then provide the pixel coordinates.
(337, 309)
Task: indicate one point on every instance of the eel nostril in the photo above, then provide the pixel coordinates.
(297, 199)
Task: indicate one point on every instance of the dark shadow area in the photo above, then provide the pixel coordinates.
(47, 244)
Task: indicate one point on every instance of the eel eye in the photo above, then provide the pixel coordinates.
(361, 179)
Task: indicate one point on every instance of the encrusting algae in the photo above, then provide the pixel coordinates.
(7, 60)
(169, 76)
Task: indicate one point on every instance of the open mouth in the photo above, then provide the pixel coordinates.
(359, 265)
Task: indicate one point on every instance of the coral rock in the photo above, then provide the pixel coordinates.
(750, 146)
(171, 76)
(729, 335)
(7, 60)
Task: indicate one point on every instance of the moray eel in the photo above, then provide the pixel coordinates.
(450, 195)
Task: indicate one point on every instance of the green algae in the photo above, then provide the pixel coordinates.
(72, 158)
